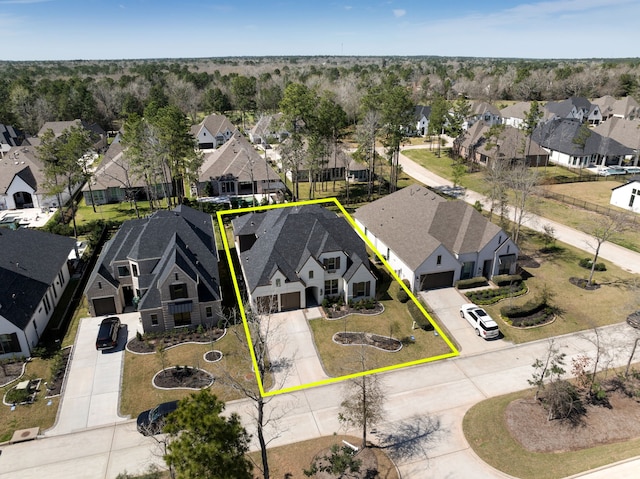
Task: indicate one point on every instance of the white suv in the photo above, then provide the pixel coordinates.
(480, 320)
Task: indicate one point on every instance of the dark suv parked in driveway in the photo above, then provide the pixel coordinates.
(108, 333)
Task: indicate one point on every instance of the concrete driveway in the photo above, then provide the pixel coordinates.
(91, 393)
(291, 348)
(446, 303)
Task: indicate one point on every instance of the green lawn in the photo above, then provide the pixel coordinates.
(486, 431)
(579, 309)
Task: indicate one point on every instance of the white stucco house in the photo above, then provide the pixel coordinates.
(296, 256)
(433, 242)
(213, 131)
(626, 196)
(32, 286)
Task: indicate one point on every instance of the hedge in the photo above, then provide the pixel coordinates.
(527, 309)
(506, 279)
(491, 296)
(417, 315)
(476, 282)
(403, 296)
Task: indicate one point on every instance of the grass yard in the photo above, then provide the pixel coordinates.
(110, 212)
(138, 392)
(598, 192)
(39, 414)
(486, 431)
(580, 309)
(339, 360)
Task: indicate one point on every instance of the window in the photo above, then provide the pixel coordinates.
(278, 282)
(362, 289)
(208, 311)
(154, 320)
(61, 277)
(182, 319)
(467, 270)
(55, 292)
(179, 290)
(176, 276)
(123, 271)
(47, 304)
(9, 343)
(332, 264)
(311, 274)
(439, 259)
(99, 284)
(134, 267)
(331, 287)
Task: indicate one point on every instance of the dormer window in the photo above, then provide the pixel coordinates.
(332, 264)
(278, 282)
(178, 291)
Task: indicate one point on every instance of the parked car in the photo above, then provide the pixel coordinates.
(632, 170)
(108, 333)
(151, 421)
(480, 320)
(612, 170)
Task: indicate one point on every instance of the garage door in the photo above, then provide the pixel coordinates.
(436, 280)
(290, 301)
(104, 306)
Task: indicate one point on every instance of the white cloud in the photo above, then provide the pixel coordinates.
(399, 13)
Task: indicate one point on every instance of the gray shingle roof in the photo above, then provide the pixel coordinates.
(414, 222)
(29, 264)
(625, 132)
(22, 161)
(559, 134)
(287, 237)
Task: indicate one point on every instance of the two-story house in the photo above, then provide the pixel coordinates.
(295, 256)
(165, 266)
(213, 131)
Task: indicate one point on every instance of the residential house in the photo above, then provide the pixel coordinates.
(624, 131)
(421, 116)
(511, 145)
(166, 266)
(627, 196)
(433, 242)
(34, 273)
(237, 169)
(570, 144)
(22, 180)
(268, 129)
(296, 256)
(96, 133)
(484, 112)
(626, 108)
(115, 181)
(574, 108)
(213, 132)
(515, 115)
(9, 136)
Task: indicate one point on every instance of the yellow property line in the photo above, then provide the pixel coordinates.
(454, 352)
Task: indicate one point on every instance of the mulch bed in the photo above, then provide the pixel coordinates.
(381, 342)
(213, 356)
(171, 338)
(582, 284)
(54, 385)
(368, 465)
(538, 319)
(346, 311)
(10, 372)
(527, 422)
(183, 377)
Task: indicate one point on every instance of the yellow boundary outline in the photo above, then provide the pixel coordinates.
(454, 352)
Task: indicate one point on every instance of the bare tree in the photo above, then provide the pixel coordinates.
(363, 402)
(523, 181)
(601, 231)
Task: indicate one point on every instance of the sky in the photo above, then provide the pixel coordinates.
(136, 29)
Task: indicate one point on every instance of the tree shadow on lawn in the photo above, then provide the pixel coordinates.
(411, 438)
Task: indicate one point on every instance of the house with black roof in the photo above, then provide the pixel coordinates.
(294, 257)
(166, 266)
(34, 273)
(571, 143)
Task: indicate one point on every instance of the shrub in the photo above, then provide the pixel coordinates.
(506, 279)
(417, 315)
(491, 296)
(527, 309)
(587, 262)
(16, 396)
(476, 282)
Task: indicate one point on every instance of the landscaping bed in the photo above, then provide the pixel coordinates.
(149, 343)
(375, 340)
(181, 377)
